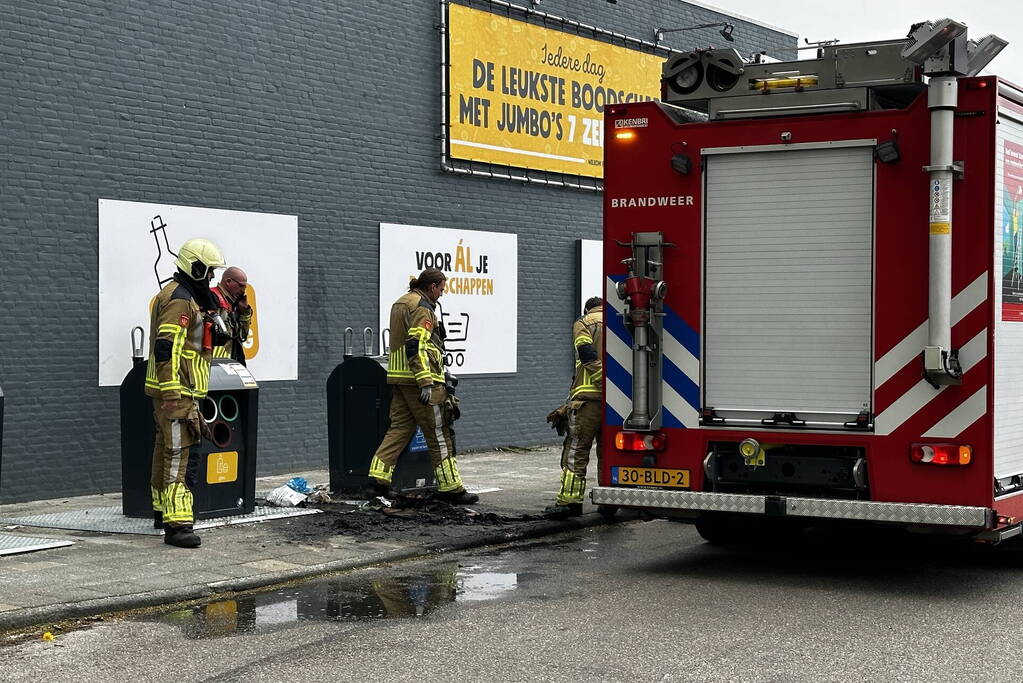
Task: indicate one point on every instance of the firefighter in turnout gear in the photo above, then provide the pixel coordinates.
(235, 311)
(415, 371)
(177, 376)
(582, 410)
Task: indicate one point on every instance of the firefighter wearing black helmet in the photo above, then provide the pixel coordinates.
(177, 376)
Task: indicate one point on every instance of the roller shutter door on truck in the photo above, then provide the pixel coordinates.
(788, 273)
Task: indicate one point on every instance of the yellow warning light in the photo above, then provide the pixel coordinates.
(625, 135)
(798, 82)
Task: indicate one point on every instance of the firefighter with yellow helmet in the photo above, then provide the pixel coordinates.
(415, 371)
(581, 412)
(177, 376)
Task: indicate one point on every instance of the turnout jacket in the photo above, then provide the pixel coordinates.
(179, 366)
(238, 324)
(417, 356)
(587, 341)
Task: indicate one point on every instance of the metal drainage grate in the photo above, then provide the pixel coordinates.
(110, 519)
(12, 544)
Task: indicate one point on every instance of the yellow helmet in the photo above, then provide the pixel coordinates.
(197, 257)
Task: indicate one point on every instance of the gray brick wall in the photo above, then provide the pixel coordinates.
(327, 110)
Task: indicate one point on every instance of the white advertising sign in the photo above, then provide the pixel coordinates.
(591, 270)
(135, 240)
(480, 306)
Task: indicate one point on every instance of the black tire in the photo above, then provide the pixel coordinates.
(719, 530)
(779, 532)
(608, 512)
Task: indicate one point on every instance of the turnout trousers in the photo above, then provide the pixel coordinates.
(583, 428)
(435, 420)
(174, 472)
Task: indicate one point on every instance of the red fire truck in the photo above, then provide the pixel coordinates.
(814, 277)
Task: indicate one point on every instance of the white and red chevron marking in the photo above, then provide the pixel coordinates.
(971, 296)
(905, 401)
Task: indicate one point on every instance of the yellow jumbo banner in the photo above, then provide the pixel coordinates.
(527, 96)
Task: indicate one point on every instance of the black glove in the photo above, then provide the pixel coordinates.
(558, 420)
(425, 394)
(219, 338)
(451, 408)
(450, 382)
(221, 334)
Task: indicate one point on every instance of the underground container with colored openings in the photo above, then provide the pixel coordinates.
(225, 462)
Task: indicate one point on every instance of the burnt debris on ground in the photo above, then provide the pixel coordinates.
(403, 518)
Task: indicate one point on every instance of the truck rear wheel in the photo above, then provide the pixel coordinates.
(724, 529)
(607, 511)
(719, 529)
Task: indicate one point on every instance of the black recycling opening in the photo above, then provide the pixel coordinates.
(228, 407)
(221, 434)
(208, 409)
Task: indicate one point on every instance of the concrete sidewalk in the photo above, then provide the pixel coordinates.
(108, 572)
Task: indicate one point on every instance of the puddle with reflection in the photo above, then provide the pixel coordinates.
(520, 571)
(348, 599)
(483, 575)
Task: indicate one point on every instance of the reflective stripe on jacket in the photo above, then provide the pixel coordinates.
(587, 343)
(178, 365)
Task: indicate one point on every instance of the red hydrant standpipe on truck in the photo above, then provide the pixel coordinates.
(820, 344)
(643, 296)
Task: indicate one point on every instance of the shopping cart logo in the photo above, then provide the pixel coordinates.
(456, 327)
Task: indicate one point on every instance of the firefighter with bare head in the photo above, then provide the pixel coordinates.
(236, 314)
(415, 372)
(580, 414)
(177, 377)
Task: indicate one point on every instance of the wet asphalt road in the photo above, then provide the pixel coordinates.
(629, 602)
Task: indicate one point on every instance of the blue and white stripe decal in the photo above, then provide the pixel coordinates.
(680, 367)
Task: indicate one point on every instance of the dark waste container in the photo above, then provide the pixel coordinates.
(137, 430)
(226, 481)
(358, 406)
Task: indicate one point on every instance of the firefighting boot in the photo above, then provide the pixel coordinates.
(462, 497)
(181, 536)
(157, 519)
(557, 511)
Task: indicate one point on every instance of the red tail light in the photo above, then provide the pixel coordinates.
(640, 441)
(940, 454)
